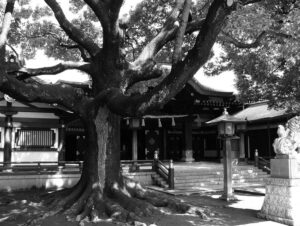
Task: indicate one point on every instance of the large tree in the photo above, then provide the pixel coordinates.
(117, 56)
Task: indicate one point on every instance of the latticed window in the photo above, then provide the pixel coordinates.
(35, 138)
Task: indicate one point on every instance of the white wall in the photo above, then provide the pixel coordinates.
(34, 156)
(19, 182)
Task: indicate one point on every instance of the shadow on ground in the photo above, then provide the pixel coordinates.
(17, 208)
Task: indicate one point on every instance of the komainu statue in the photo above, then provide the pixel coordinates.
(288, 141)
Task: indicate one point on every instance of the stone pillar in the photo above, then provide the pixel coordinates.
(187, 154)
(282, 197)
(227, 166)
(62, 142)
(134, 144)
(7, 140)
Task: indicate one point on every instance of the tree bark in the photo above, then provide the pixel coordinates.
(103, 134)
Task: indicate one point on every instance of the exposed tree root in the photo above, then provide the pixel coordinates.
(128, 203)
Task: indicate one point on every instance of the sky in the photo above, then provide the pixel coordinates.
(222, 82)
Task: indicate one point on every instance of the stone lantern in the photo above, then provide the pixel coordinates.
(226, 130)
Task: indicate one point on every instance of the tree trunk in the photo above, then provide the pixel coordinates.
(101, 190)
(102, 159)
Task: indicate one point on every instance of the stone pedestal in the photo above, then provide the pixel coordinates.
(187, 156)
(282, 200)
(285, 167)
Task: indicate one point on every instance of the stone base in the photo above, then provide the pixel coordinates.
(187, 156)
(228, 197)
(281, 203)
(285, 168)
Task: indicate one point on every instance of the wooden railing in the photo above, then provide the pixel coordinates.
(167, 173)
(137, 165)
(262, 163)
(41, 167)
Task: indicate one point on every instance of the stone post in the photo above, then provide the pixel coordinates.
(7, 141)
(227, 165)
(171, 175)
(62, 142)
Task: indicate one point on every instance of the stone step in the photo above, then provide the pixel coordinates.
(212, 182)
(158, 180)
(235, 177)
(260, 180)
(219, 175)
(214, 172)
(218, 185)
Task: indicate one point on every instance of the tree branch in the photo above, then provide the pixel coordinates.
(248, 2)
(100, 9)
(25, 73)
(62, 94)
(158, 41)
(156, 44)
(227, 38)
(5, 29)
(144, 72)
(14, 50)
(165, 36)
(6, 21)
(74, 33)
(181, 72)
(80, 48)
(184, 70)
(181, 30)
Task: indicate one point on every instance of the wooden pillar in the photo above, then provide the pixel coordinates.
(164, 144)
(134, 144)
(62, 142)
(187, 155)
(269, 140)
(242, 146)
(7, 141)
(248, 146)
(227, 165)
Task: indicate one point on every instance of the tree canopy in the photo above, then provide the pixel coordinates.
(262, 46)
(261, 41)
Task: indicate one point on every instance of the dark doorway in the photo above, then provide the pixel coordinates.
(75, 147)
(174, 146)
(198, 145)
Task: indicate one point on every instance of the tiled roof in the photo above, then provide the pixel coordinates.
(205, 90)
(260, 111)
